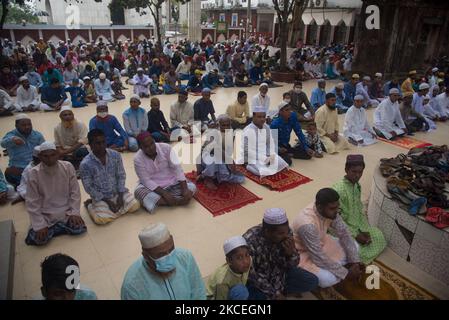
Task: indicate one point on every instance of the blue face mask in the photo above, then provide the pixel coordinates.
(165, 263)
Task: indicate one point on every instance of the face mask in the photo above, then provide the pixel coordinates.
(298, 90)
(287, 100)
(102, 114)
(165, 263)
(212, 60)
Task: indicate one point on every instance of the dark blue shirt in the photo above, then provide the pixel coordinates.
(53, 95)
(285, 129)
(156, 121)
(202, 109)
(77, 95)
(110, 126)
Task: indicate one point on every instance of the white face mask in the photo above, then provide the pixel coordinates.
(212, 60)
(102, 114)
(287, 100)
(298, 90)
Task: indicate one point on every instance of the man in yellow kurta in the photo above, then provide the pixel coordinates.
(370, 239)
(326, 118)
(407, 85)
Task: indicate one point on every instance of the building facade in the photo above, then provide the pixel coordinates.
(324, 21)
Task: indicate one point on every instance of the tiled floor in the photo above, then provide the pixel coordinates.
(105, 252)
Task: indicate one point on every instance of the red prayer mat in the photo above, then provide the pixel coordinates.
(407, 142)
(285, 180)
(228, 196)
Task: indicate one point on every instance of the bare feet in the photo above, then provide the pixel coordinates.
(209, 183)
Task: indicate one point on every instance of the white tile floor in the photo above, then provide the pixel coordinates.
(105, 252)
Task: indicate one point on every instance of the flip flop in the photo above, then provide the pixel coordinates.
(443, 220)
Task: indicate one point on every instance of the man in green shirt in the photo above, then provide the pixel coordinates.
(370, 239)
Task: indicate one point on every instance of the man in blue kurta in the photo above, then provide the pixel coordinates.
(318, 97)
(20, 144)
(110, 126)
(163, 272)
(285, 123)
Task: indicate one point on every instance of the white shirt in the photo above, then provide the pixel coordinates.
(356, 122)
(259, 101)
(27, 97)
(387, 114)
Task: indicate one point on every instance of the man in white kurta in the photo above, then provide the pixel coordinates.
(388, 122)
(356, 128)
(52, 198)
(421, 107)
(362, 89)
(258, 148)
(141, 83)
(103, 88)
(263, 100)
(443, 102)
(27, 96)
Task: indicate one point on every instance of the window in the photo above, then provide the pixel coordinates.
(222, 17)
(235, 19)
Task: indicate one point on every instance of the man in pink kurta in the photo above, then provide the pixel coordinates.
(161, 178)
(52, 198)
(330, 259)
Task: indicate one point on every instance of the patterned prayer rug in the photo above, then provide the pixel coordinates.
(407, 142)
(285, 180)
(392, 286)
(226, 198)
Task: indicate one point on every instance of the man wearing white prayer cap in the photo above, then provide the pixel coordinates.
(275, 272)
(330, 258)
(103, 88)
(70, 137)
(19, 144)
(356, 127)
(363, 88)
(376, 89)
(388, 122)
(53, 198)
(22, 187)
(228, 282)
(135, 121)
(141, 83)
(258, 151)
(263, 100)
(418, 104)
(434, 78)
(7, 105)
(163, 272)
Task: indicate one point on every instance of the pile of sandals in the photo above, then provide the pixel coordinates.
(419, 181)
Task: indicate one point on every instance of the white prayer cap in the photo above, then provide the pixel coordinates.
(259, 109)
(424, 86)
(22, 116)
(263, 84)
(359, 97)
(102, 103)
(321, 80)
(135, 96)
(65, 108)
(22, 78)
(139, 69)
(206, 90)
(154, 235)
(223, 117)
(282, 104)
(394, 91)
(435, 69)
(275, 216)
(47, 146)
(36, 151)
(355, 76)
(367, 78)
(340, 85)
(102, 76)
(378, 75)
(233, 243)
(86, 78)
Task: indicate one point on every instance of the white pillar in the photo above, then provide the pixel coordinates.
(112, 36)
(12, 36)
(66, 33)
(194, 21)
(41, 35)
(90, 35)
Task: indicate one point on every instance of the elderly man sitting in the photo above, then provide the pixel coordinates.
(330, 259)
(362, 89)
(52, 198)
(161, 178)
(163, 272)
(216, 163)
(388, 122)
(339, 92)
(258, 149)
(20, 143)
(7, 105)
(71, 137)
(356, 128)
(182, 118)
(27, 96)
(141, 84)
(103, 88)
